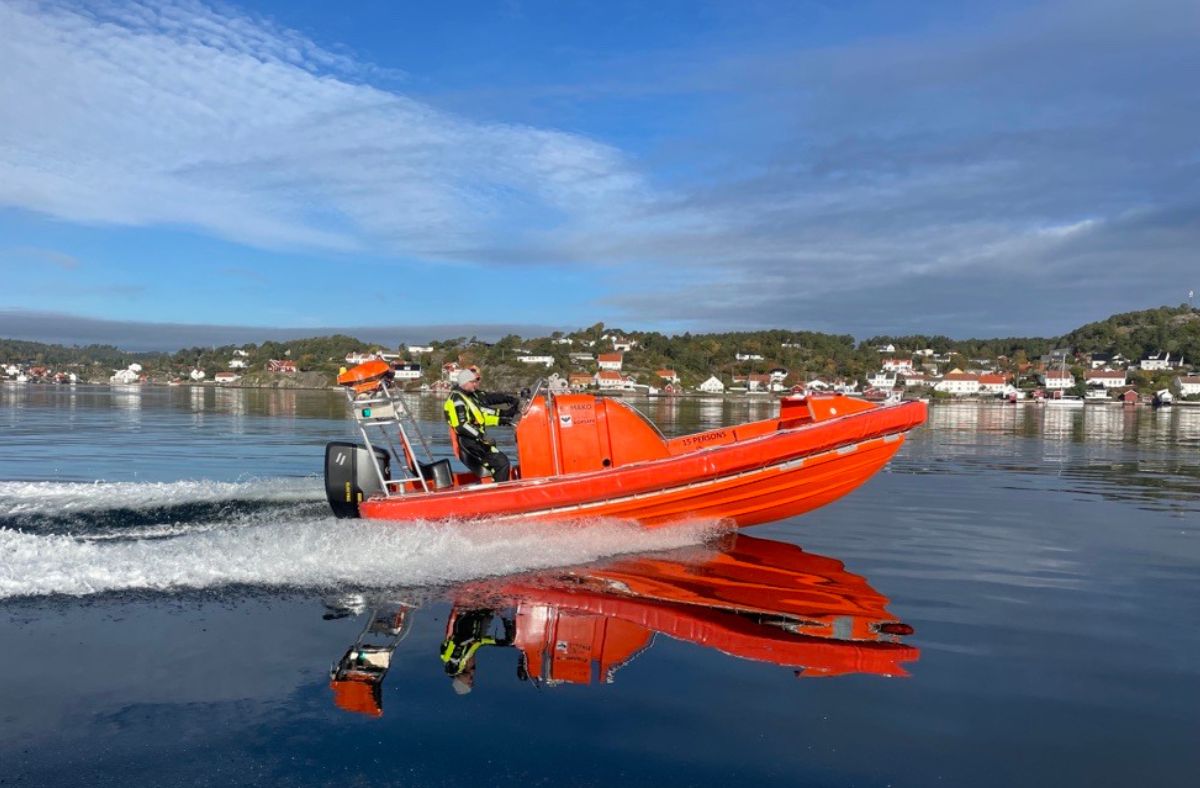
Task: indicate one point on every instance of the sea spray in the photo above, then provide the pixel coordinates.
(263, 549)
(18, 498)
(113, 508)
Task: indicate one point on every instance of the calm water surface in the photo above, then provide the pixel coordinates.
(1013, 601)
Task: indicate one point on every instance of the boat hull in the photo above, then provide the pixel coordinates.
(779, 474)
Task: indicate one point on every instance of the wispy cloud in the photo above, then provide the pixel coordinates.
(1025, 163)
(951, 174)
(148, 114)
(26, 255)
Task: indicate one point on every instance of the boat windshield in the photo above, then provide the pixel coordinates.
(646, 419)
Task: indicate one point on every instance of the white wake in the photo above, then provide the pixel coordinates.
(51, 498)
(282, 550)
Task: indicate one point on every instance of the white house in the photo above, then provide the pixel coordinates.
(406, 371)
(1188, 385)
(900, 365)
(223, 378)
(712, 386)
(624, 345)
(237, 363)
(607, 379)
(241, 353)
(611, 361)
(748, 357)
(354, 359)
(12, 370)
(1156, 362)
(1106, 378)
(668, 375)
(993, 384)
(882, 380)
(416, 349)
(753, 382)
(960, 384)
(583, 358)
(197, 375)
(1058, 379)
(547, 361)
(915, 380)
(888, 348)
(778, 374)
(124, 376)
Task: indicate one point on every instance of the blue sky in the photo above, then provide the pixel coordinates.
(973, 169)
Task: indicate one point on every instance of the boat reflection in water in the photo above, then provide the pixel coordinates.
(752, 599)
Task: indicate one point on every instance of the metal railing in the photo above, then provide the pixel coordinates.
(382, 409)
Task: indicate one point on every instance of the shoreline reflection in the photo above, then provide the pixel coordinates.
(751, 599)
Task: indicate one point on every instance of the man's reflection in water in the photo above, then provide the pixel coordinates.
(469, 631)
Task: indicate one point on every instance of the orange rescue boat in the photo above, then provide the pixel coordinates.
(583, 456)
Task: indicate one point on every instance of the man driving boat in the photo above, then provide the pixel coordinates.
(469, 412)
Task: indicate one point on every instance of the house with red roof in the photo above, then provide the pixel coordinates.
(900, 365)
(1058, 379)
(1106, 378)
(753, 382)
(960, 384)
(611, 361)
(608, 380)
(993, 383)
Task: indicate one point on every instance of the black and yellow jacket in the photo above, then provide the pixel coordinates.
(468, 416)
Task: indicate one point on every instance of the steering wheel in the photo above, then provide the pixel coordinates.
(537, 388)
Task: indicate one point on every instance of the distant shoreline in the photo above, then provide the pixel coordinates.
(739, 397)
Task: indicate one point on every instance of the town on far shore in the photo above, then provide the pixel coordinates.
(1109, 361)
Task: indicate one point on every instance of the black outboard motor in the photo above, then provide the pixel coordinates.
(349, 477)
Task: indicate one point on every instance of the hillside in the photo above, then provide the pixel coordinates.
(693, 357)
(1136, 334)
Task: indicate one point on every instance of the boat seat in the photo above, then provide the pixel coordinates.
(481, 473)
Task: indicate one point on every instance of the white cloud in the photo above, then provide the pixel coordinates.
(1004, 146)
(140, 114)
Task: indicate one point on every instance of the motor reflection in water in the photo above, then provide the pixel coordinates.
(753, 599)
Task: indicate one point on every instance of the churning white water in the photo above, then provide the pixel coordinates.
(51, 498)
(292, 544)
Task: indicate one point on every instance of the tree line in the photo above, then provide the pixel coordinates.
(806, 354)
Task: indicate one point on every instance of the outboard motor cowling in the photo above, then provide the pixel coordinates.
(350, 477)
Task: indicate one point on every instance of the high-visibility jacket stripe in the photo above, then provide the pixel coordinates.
(476, 418)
